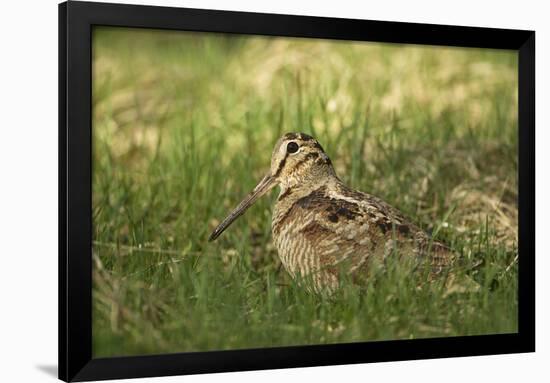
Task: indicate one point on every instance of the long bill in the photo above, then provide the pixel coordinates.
(265, 185)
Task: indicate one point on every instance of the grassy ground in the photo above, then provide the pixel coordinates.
(184, 126)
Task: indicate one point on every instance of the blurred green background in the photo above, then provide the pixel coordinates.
(183, 127)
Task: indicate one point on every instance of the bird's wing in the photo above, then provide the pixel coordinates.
(386, 216)
(358, 228)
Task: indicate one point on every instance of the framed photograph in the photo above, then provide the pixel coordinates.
(245, 191)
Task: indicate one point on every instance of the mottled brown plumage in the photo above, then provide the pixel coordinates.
(323, 229)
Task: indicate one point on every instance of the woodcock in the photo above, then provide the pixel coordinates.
(323, 229)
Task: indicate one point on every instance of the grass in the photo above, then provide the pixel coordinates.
(183, 127)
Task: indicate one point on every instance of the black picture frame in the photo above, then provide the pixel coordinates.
(76, 20)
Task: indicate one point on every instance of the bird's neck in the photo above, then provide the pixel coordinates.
(293, 191)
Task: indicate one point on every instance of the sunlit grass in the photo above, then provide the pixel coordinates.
(184, 125)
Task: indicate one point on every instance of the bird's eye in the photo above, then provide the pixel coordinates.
(292, 147)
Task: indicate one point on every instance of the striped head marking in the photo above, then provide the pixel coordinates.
(297, 160)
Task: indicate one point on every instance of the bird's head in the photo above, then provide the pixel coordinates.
(298, 159)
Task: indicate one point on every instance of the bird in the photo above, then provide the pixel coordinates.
(326, 232)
